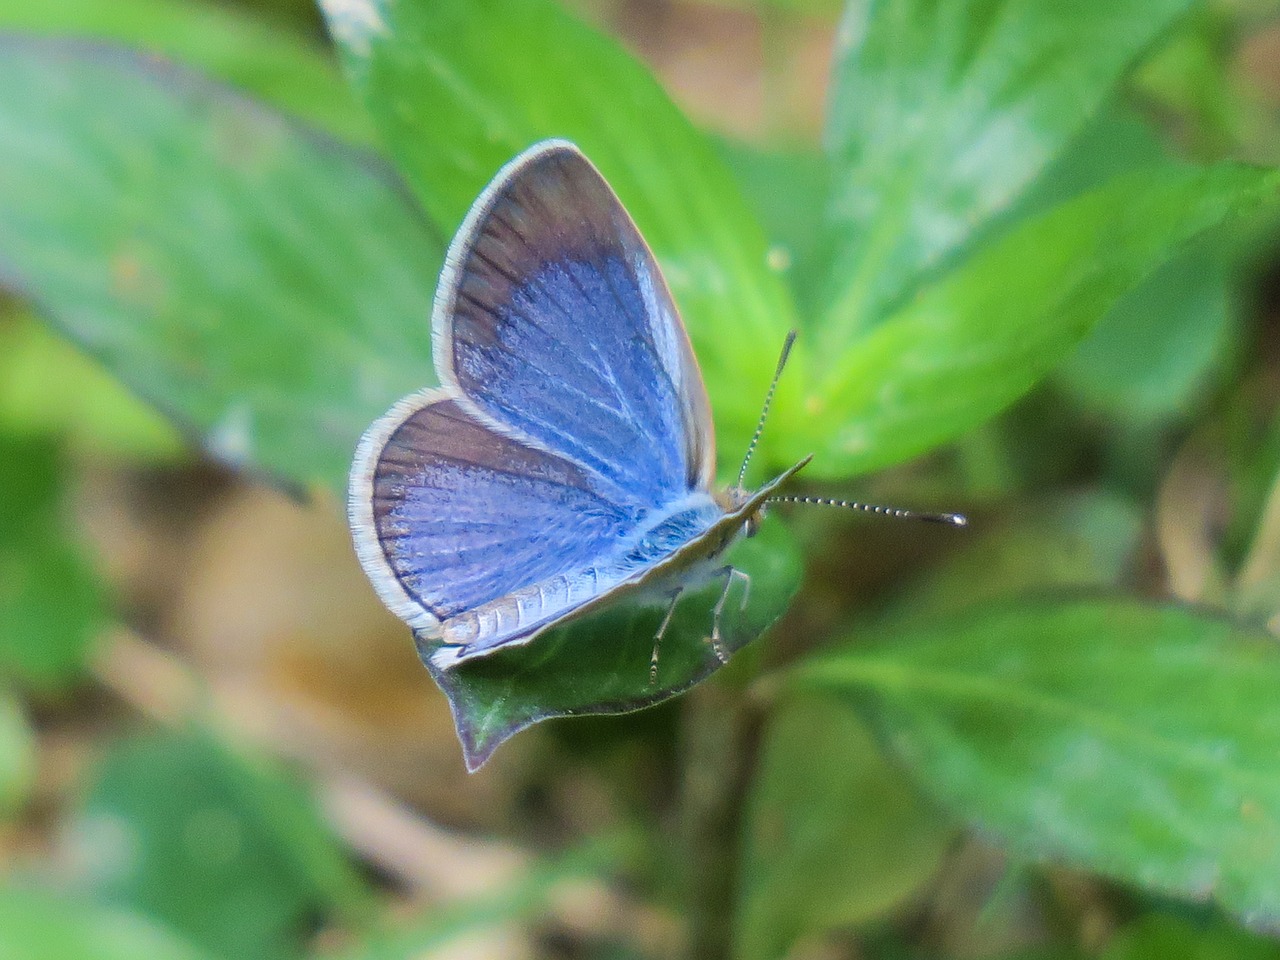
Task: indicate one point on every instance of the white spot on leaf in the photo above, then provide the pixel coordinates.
(231, 439)
(354, 23)
(778, 258)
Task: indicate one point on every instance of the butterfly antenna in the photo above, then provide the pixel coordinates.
(768, 399)
(898, 513)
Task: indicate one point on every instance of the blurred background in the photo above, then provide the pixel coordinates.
(214, 742)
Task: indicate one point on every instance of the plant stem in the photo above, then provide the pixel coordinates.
(720, 732)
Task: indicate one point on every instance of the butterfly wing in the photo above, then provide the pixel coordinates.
(447, 514)
(554, 322)
(571, 410)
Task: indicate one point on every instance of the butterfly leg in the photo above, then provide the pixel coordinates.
(657, 639)
(729, 574)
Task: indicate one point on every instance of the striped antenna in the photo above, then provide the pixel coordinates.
(768, 399)
(898, 513)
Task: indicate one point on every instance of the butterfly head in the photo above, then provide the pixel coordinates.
(733, 499)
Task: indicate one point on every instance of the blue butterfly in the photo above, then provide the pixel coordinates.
(568, 458)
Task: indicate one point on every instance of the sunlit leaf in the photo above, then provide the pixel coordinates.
(941, 114)
(973, 341)
(457, 88)
(1161, 345)
(1118, 140)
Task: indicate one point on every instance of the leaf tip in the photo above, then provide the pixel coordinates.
(478, 734)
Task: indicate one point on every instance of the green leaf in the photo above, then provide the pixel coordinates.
(1064, 543)
(1118, 140)
(835, 834)
(51, 606)
(100, 415)
(1167, 342)
(1137, 741)
(17, 755)
(267, 288)
(982, 335)
(223, 850)
(42, 926)
(250, 51)
(942, 114)
(457, 88)
(1161, 937)
(600, 664)
(1158, 350)
(787, 188)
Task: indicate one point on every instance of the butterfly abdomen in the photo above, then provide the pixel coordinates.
(528, 610)
(523, 611)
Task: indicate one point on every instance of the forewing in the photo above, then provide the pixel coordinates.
(554, 321)
(448, 514)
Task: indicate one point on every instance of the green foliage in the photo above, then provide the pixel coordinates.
(788, 190)
(51, 605)
(975, 340)
(600, 664)
(991, 213)
(41, 926)
(1133, 740)
(836, 835)
(252, 53)
(17, 756)
(943, 113)
(278, 351)
(222, 850)
(1162, 937)
(99, 415)
(1164, 343)
(458, 88)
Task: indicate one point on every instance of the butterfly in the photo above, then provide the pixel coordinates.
(567, 460)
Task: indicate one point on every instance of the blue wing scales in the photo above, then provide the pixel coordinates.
(554, 322)
(572, 414)
(458, 515)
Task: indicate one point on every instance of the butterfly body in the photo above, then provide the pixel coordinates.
(679, 551)
(645, 555)
(568, 458)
